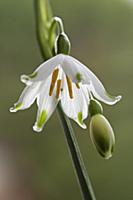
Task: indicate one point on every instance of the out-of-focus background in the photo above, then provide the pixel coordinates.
(36, 167)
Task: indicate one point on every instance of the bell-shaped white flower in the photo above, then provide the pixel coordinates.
(61, 78)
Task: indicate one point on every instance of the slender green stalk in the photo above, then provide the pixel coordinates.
(79, 167)
(43, 19)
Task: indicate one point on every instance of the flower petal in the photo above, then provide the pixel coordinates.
(44, 70)
(46, 105)
(75, 108)
(76, 70)
(101, 94)
(73, 70)
(27, 97)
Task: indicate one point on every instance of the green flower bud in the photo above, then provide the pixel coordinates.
(102, 135)
(63, 44)
(95, 107)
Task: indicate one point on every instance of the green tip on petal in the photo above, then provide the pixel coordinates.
(16, 107)
(33, 75)
(115, 98)
(80, 120)
(79, 77)
(41, 120)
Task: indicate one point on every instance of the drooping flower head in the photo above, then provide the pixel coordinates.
(65, 79)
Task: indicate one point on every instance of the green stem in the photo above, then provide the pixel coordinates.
(79, 167)
(43, 19)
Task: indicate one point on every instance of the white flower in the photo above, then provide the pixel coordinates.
(61, 78)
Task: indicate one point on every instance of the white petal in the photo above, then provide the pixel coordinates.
(86, 91)
(73, 68)
(27, 97)
(77, 107)
(44, 70)
(101, 94)
(46, 106)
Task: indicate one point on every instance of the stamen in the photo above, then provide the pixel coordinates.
(53, 81)
(69, 84)
(58, 88)
(77, 85)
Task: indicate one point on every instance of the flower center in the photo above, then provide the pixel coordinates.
(56, 80)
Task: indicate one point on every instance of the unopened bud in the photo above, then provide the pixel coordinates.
(95, 107)
(63, 44)
(102, 135)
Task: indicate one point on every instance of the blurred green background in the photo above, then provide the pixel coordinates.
(102, 37)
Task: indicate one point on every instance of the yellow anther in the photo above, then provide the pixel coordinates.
(69, 84)
(58, 88)
(77, 85)
(53, 81)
